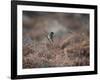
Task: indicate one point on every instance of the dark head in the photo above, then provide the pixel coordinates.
(52, 33)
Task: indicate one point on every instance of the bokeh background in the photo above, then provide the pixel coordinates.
(70, 45)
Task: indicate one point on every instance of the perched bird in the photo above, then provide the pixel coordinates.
(51, 36)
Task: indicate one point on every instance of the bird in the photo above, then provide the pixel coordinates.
(51, 36)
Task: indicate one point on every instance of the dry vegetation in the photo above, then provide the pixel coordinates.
(70, 46)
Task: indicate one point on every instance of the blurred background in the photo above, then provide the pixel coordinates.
(70, 46)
